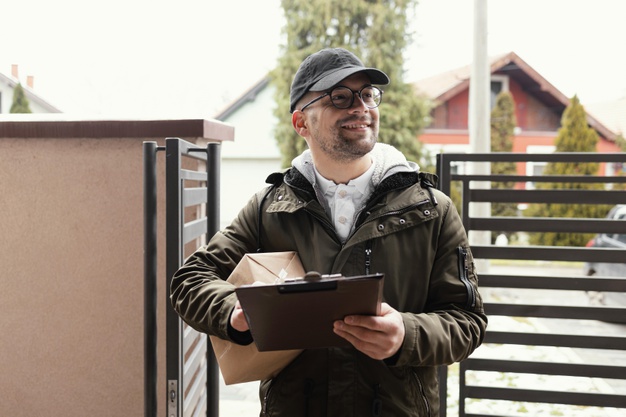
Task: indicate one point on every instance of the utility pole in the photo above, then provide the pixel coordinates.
(479, 115)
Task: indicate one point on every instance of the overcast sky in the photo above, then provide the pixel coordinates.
(188, 58)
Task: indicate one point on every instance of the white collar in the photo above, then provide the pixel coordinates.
(361, 183)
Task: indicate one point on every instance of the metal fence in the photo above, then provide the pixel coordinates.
(495, 383)
(192, 217)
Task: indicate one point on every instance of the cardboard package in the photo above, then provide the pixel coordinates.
(245, 363)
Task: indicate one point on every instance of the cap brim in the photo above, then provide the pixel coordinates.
(328, 81)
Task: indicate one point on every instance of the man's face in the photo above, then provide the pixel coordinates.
(342, 135)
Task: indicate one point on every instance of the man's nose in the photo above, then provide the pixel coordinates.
(358, 104)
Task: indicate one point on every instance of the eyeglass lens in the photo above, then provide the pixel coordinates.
(343, 97)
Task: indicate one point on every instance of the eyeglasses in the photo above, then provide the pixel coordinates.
(343, 97)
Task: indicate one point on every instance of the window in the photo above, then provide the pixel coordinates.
(536, 167)
(499, 83)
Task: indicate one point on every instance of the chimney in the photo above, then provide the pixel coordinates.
(30, 81)
(14, 72)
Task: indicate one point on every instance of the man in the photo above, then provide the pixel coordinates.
(349, 205)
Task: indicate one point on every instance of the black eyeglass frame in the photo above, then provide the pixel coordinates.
(354, 93)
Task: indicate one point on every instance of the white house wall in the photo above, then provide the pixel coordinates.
(253, 155)
(6, 99)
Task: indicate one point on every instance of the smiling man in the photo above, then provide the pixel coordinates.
(353, 206)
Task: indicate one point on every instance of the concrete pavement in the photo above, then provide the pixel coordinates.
(239, 400)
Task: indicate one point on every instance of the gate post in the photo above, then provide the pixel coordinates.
(150, 277)
(173, 256)
(213, 151)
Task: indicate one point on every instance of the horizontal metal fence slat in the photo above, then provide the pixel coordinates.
(557, 340)
(548, 196)
(550, 253)
(534, 157)
(550, 397)
(535, 224)
(541, 178)
(188, 149)
(194, 196)
(193, 175)
(194, 229)
(484, 415)
(606, 314)
(608, 284)
(546, 368)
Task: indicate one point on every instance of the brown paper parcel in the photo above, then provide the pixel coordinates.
(245, 363)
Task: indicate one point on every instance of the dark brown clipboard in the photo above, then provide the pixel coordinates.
(299, 314)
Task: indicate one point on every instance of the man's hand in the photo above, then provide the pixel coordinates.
(379, 337)
(238, 319)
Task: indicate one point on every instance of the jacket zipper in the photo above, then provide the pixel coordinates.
(368, 256)
(409, 208)
(368, 244)
(464, 275)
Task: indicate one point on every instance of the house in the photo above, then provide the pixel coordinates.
(8, 84)
(254, 154)
(539, 107)
(612, 113)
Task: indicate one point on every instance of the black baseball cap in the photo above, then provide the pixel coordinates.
(325, 69)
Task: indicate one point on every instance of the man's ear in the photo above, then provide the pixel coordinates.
(299, 122)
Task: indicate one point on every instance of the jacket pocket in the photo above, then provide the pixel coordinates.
(464, 271)
(420, 393)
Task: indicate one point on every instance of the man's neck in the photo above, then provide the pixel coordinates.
(343, 172)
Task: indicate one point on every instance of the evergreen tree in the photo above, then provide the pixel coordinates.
(376, 31)
(575, 135)
(621, 142)
(620, 169)
(20, 102)
(503, 123)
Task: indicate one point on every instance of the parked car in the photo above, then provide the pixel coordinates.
(609, 240)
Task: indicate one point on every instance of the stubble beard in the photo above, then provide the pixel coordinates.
(341, 148)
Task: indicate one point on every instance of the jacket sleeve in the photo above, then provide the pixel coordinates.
(453, 324)
(199, 292)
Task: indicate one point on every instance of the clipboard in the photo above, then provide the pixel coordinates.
(299, 313)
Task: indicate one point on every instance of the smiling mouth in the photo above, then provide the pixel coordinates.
(356, 126)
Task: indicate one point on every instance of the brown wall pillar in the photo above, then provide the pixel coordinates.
(71, 258)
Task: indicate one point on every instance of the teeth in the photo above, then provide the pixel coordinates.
(356, 126)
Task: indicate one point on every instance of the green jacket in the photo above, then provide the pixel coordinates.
(409, 231)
